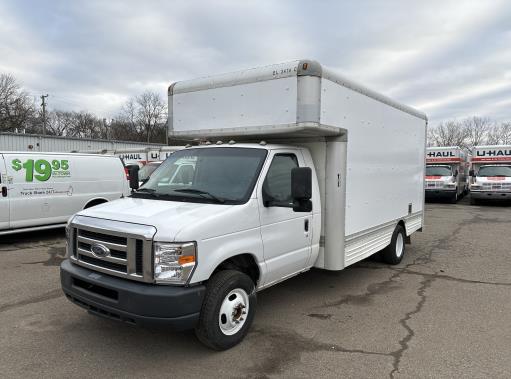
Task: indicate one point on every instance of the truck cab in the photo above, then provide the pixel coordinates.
(446, 173)
(236, 206)
(490, 176)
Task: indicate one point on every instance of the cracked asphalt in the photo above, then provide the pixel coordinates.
(444, 312)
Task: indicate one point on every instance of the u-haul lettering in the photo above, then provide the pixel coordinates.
(131, 157)
(492, 155)
(442, 156)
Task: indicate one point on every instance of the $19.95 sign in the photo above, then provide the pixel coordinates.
(41, 169)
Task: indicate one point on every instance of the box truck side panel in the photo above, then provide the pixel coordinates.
(385, 167)
(268, 102)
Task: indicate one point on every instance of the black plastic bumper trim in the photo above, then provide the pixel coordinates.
(132, 302)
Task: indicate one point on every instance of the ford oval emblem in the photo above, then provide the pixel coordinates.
(99, 250)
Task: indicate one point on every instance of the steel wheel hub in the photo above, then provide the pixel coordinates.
(400, 243)
(233, 312)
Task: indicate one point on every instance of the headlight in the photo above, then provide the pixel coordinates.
(174, 262)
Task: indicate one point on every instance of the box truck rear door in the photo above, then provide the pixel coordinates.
(4, 196)
(286, 234)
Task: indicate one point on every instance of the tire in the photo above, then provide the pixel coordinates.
(393, 254)
(222, 323)
(454, 198)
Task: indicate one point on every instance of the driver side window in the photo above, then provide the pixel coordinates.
(277, 185)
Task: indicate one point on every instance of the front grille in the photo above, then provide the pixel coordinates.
(103, 237)
(127, 255)
(435, 185)
(103, 263)
(496, 186)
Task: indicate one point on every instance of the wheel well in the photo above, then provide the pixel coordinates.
(94, 202)
(408, 239)
(244, 263)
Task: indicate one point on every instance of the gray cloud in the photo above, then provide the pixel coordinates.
(448, 58)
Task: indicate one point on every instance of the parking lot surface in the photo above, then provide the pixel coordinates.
(445, 311)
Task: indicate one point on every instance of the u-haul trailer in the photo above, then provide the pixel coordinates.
(490, 173)
(298, 167)
(138, 156)
(446, 172)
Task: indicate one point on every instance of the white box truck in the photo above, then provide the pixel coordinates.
(447, 170)
(490, 173)
(298, 168)
(42, 190)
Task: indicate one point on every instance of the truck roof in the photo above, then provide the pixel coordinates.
(254, 145)
(304, 67)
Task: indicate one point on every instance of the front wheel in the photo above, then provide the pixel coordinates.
(227, 311)
(393, 254)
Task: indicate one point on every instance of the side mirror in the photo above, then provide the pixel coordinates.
(301, 189)
(134, 184)
(472, 173)
(455, 173)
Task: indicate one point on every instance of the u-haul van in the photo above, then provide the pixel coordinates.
(42, 190)
(446, 172)
(490, 173)
(299, 168)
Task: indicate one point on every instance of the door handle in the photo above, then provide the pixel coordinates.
(4, 191)
(306, 225)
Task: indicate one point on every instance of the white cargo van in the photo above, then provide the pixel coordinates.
(446, 172)
(298, 168)
(42, 190)
(490, 173)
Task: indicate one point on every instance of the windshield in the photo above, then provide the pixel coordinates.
(494, 171)
(438, 171)
(147, 170)
(214, 175)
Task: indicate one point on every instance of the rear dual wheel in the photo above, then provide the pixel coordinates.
(393, 254)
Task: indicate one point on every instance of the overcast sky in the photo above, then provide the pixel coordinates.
(450, 59)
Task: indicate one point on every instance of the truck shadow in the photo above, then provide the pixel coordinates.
(30, 237)
(275, 302)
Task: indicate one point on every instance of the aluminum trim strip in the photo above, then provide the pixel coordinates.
(110, 245)
(106, 259)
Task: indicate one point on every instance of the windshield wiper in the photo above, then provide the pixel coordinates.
(201, 192)
(150, 190)
(146, 192)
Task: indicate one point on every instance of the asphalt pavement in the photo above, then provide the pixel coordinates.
(444, 312)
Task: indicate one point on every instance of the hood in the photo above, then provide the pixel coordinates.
(174, 219)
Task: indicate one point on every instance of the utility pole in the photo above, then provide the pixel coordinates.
(106, 128)
(43, 104)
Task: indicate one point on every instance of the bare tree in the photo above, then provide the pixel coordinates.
(143, 115)
(449, 133)
(505, 133)
(16, 108)
(476, 129)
